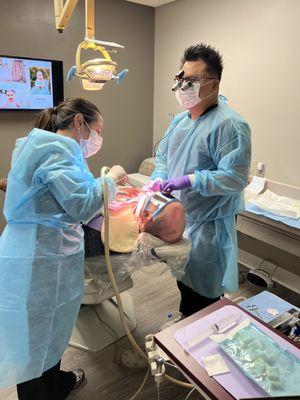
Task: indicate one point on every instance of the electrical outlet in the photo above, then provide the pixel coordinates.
(261, 168)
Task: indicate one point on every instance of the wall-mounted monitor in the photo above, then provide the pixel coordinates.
(30, 84)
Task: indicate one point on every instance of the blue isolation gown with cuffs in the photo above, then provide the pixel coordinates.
(216, 147)
(49, 192)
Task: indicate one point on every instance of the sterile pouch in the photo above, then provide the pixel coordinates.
(270, 366)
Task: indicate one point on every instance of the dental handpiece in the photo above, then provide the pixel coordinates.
(160, 363)
(219, 327)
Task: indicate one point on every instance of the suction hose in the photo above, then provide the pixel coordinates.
(104, 170)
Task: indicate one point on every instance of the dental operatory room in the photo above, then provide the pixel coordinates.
(150, 199)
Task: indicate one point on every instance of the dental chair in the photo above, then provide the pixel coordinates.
(98, 323)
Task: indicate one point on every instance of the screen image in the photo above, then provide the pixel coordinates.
(26, 84)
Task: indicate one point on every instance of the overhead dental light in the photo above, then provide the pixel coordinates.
(96, 72)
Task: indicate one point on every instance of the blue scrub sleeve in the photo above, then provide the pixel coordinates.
(230, 149)
(77, 191)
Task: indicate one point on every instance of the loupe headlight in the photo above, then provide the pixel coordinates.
(178, 81)
(176, 86)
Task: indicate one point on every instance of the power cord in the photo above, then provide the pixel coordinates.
(242, 276)
(270, 275)
(190, 393)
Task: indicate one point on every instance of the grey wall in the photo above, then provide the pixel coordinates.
(29, 28)
(260, 41)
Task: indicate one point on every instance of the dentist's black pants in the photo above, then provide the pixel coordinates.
(191, 301)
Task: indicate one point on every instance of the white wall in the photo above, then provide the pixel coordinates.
(260, 42)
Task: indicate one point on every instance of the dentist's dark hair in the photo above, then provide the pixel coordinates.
(208, 54)
(62, 116)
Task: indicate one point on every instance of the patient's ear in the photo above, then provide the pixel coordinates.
(147, 215)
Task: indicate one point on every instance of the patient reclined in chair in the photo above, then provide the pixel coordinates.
(145, 230)
(134, 212)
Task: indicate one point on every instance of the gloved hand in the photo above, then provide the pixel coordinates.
(178, 183)
(118, 175)
(153, 185)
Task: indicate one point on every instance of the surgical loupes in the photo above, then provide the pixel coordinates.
(178, 81)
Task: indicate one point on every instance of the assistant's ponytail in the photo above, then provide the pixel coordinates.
(62, 116)
(46, 120)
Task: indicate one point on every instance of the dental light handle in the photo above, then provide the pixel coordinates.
(103, 43)
(219, 327)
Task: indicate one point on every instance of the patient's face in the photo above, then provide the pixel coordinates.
(168, 225)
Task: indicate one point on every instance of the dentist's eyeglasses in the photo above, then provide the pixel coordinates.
(185, 83)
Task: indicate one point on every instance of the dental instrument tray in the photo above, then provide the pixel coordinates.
(270, 366)
(236, 382)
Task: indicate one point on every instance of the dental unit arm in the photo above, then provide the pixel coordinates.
(96, 72)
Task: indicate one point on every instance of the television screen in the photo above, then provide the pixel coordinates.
(29, 84)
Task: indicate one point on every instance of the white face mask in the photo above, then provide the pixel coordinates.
(91, 145)
(189, 98)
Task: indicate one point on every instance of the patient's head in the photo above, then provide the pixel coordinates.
(168, 225)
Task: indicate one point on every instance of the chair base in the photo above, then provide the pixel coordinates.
(99, 325)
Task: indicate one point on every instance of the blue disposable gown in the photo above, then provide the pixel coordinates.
(216, 147)
(50, 190)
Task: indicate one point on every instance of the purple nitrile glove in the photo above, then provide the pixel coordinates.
(178, 183)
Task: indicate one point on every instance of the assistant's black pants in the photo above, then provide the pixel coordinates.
(191, 301)
(54, 384)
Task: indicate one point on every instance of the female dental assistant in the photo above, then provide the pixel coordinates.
(49, 192)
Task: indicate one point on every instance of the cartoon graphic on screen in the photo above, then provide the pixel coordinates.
(40, 80)
(11, 101)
